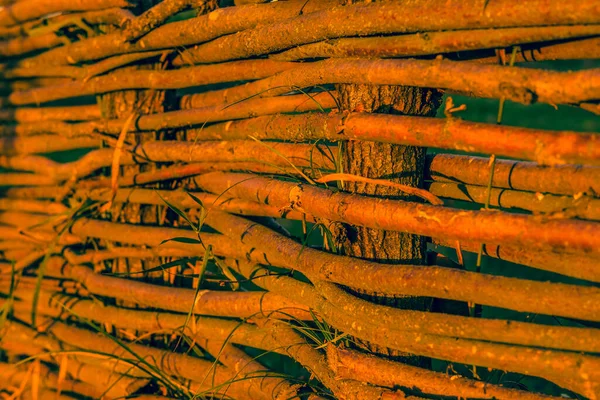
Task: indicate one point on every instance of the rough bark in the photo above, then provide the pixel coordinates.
(402, 164)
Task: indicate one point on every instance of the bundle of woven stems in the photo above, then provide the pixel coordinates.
(154, 263)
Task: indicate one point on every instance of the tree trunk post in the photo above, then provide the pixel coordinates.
(401, 164)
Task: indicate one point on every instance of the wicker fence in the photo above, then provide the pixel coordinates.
(290, 199)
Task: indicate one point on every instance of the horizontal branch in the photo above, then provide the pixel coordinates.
(356, 365)
(288, 342)
(27, 10)
(558, 263)
(39, 237)
(388, 18)
(216, 303)
(17, 179)
(521, 85)
(580, 266)
(517, 175)
(271, 154)
(342, 308)
(446, 283)
(39, 114)
(433, 42)
(150, 321)
(557, 367)
(32, 206)
(26, 341)
(182, 200)
(490, 330)
(582, 49)
(397, 215)
(53, 305)
(34, 83)
(525, 176)
(199, 327)
(265, 106)
(188, 170)
(546, 147)
(85, 72)
(566, 206)
(186, 118)
(575, 265)
(145, 236)
(259, 385)
(150, 79)
(552, 298)
(41, 144)
(27, 44)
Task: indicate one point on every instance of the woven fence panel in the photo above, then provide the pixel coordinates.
(313, 199)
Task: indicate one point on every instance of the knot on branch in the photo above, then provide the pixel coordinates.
(295, 201)
(517, 94)
(295, 197)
